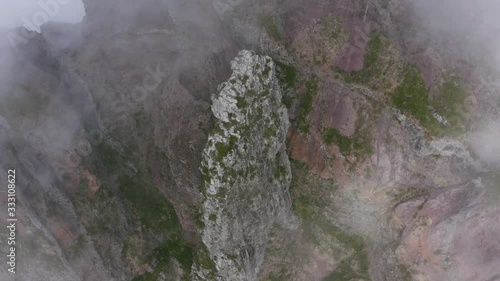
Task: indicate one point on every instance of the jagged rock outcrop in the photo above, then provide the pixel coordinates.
(246, 170)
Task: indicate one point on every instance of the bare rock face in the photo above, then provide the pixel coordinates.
(246, 170)
(451, 236)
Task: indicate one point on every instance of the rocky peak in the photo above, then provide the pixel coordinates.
(246, 170)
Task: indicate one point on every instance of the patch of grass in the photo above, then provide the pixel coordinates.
(266, 71)
(333, 136)
(153, 210)
(203, 260)
(375, 46)
(224, 149)
(332, 26)
(357, 145)
(372, 66)
(270, 26)
(269, 133)
(306, 104)
(212, 217)
(241, 102)
(177, 249)
(354, 242)
(405, 273)
(75, 249)
(108, 155)
(303, 206)
(308, 197)
(157, 214)
(411, 95)
(162, 258)
(450, 103)
(287, 75)
(245, 79)
(282, 275)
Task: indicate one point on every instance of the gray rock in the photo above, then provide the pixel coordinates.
(246, 170)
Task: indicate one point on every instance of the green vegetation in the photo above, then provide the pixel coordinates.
(245, 79)
(163, 256)
(157, 214)
(74, 250)
(282, 275)
(345, 272)
(357, 145)
(269, 133)
(406, 274)
(450, 103)
(224, 149)
(280, 169)
(333, 26)
(269, 25)
(266, 71)
(306, 104)
(355, 266)
(375, 46)
(411, 95)
(372, 69)
(153, 210)
(108, 155)
(177, 249)
(309, 195)
(333, 136)
(287, 75)
(203, 260)
(241, 102)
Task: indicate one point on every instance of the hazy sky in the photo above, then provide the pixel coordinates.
(12, 12)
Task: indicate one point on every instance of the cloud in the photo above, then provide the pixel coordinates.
(471, 22)
(33, 13)
(474, 26)
(486, 144)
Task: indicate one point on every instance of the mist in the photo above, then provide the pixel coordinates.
(34, 13)
(474, 23)
(475, 26)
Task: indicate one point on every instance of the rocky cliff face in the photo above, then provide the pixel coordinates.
(245, 168)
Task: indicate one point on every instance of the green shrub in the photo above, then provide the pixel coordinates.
(358, 144)
(411, 95)
(306, 105)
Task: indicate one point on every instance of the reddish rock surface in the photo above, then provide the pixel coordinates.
(445, 240)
